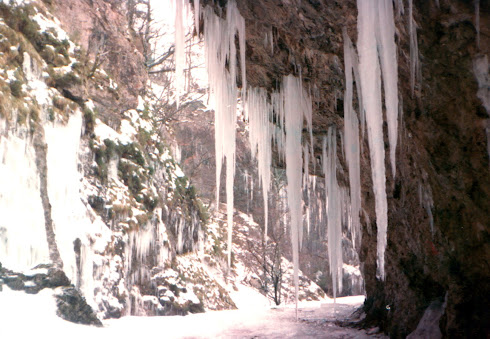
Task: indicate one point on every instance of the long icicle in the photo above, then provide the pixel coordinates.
(258, 110)
(389, 67)
(196, 15)
(351, 128)
(296, 105)
(414, 49)
(369, 72)
(180, 59)
(334, 231)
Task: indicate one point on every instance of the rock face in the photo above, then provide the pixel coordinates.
(71, 305)
(438, 230)
(101, 29)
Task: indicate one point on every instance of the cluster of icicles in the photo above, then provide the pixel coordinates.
(290, 106)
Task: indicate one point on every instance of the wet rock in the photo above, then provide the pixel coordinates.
(14, 282)
(428, 326)
(73, 307)
(57, 278)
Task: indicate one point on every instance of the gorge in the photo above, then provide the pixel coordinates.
(160, 157)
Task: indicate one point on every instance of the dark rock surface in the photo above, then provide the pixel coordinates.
(442, 148)
(73, 307)
(71, 304)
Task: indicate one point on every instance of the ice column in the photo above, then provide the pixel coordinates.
(369, 72)
(351, 128)
(23, 243)
(334, 209)
(220, 50)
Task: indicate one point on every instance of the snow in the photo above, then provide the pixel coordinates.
(248, 298)
(105, 132)
(17, 2)
(52, 26)
(33, 272)
(316, 320)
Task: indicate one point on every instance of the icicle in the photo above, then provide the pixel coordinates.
(180, 59)
(220, 50)
(350, 51)
(480, 69)
(334, 230)
(414, 48)
(306, 172)
(196, 15)
(271, 41)
(351, 128)
(296, 104)
(342, 148)
(399, 7)
(477, 23)
(371, 93)
(389, 67)
(258, 110)
(308, 212)
(308, 113)
(245, 177)
(426, 201)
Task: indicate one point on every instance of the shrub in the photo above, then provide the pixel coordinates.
(89, 116)
(34, 114)
(16, 88)
(60, 103)
(23, 113)
(18, 18)
(66, 80)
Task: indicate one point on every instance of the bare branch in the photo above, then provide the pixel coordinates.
(160, 60)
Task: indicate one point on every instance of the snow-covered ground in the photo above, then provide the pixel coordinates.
(24, 315)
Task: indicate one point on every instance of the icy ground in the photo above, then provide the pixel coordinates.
(23, 315)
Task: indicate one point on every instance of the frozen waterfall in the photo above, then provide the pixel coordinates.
(221, 54)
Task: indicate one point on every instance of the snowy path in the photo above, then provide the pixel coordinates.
(24, 315)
